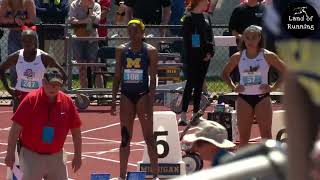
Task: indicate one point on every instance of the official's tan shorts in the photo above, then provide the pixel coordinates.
(37, 166)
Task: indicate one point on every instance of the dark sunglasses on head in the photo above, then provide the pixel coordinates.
(52, 75)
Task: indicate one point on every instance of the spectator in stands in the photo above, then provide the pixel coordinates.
(43, 121)
(120, 13)
(29, 74)
(254, 91)
(247, 13)
(20, 12)
(52, 12)
(157, 12)
(119, 18)
(85, 14)
(210, 142)
(103, 31)
(177, 11)
(199, 49)
(136, 68)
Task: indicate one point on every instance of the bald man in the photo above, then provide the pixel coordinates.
(30, 63)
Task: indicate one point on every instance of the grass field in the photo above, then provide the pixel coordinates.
(215, 84)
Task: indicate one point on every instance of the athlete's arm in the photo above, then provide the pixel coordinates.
(49, 61)
(31, 10)
(276, 62)
(153, 56)
(10, 62)
(128, 13)
(3, 14)
(117, 76)
(229, 67)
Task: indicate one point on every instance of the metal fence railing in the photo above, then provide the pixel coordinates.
(53, 38)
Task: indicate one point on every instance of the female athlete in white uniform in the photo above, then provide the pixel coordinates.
(253, 100)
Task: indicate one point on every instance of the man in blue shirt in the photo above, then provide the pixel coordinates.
(210, 142)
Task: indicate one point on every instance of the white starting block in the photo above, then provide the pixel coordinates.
(168, 146)
(278, 125)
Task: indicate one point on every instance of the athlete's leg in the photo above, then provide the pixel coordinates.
(302, 127)
(263, 112)
(145, 114)
(127, 116)
(245, 117)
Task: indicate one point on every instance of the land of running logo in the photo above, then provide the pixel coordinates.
(300, 20)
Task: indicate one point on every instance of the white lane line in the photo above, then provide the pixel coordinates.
(103, 127)
(92, 143)
(3, 112)
(5, 129)
(3, 152)
(104, 159)
(113, 141)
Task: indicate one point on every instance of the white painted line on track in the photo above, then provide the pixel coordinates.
(3, 112)
(110, 141)
(103, 127)
(5, 129)
(104, 159)
(3, 152)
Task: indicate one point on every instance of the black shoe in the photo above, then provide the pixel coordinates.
(183, 122)
(195, 121)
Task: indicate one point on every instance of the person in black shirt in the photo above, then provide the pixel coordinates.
(199, 48)
(244, 15)
(154, 12)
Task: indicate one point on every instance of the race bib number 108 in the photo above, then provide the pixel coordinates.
(133, 75)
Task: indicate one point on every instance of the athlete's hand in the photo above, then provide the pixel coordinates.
(76, 162)
(265, 88)
(239, 88)
(19, 21)
(207, 58)
(151, 96)
(113, 108)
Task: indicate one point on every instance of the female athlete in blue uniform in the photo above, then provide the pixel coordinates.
(136, 69)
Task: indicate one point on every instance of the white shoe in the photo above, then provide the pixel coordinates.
(156, 178)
